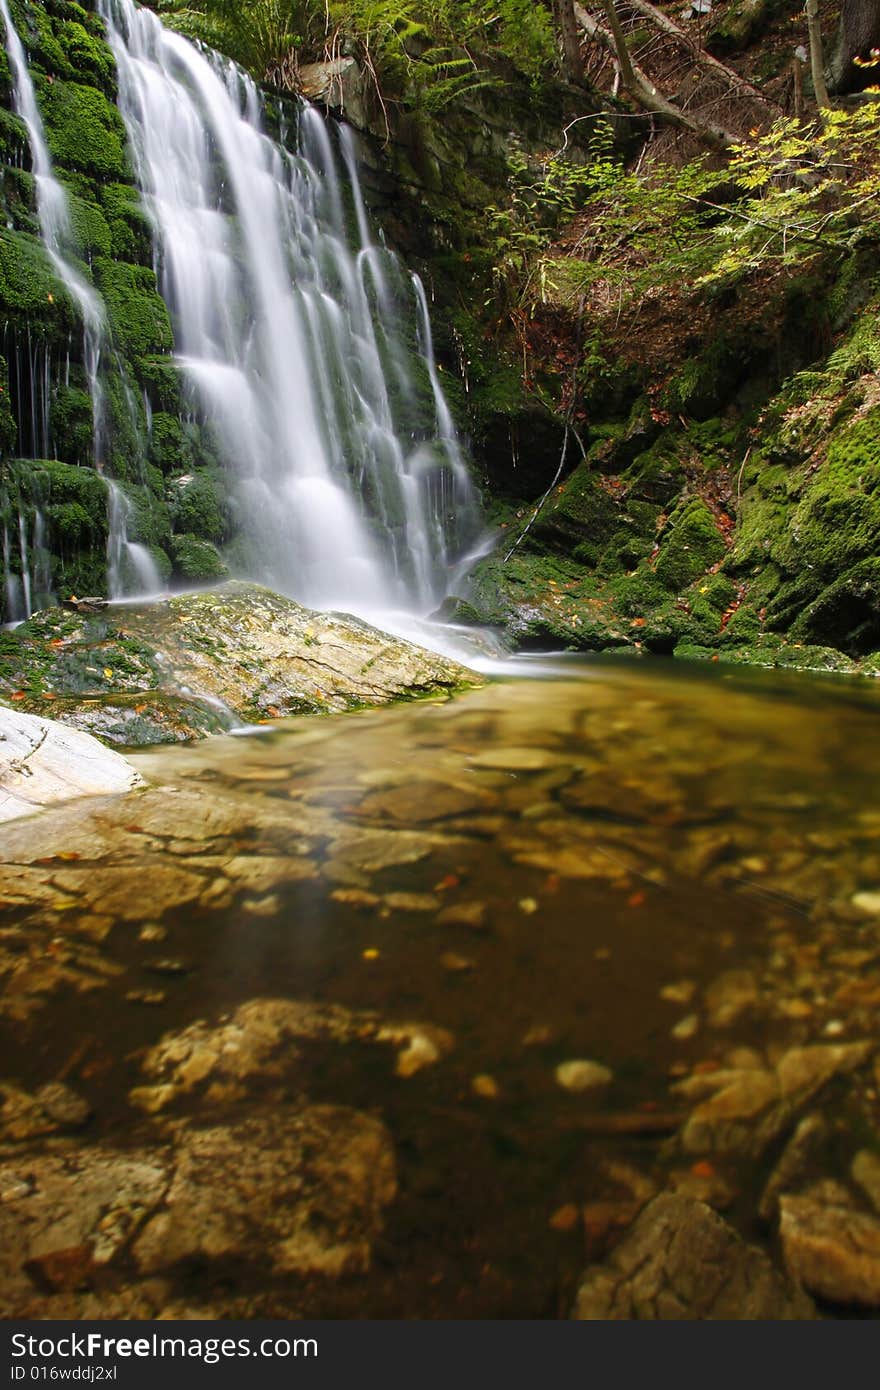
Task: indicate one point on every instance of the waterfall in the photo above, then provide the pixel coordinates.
(130, 567)
(26, 568)
(53, 214)
(311, 359)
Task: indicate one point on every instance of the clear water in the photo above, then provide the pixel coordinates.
(601, 835)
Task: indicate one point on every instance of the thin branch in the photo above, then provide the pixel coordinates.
(699, 55)
(640, 86)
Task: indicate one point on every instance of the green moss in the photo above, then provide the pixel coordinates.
(72, 424)
(196, 559)
(130, 230)
(8, 431)
(28, 285)
(137, 313)
(84, 131)
(690, 543)
(197, 508)
(90, 230)
(85, 54)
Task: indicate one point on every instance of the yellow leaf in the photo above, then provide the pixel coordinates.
(108, 673)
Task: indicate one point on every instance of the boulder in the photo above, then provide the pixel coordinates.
(680, 1261)
(41, 762)
(189, 664)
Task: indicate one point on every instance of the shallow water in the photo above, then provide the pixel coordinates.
(547, 870)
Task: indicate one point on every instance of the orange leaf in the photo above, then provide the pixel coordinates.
(18, 695)
(702, 1169)
(635, 900)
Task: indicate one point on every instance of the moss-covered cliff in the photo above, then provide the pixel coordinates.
(53, 502)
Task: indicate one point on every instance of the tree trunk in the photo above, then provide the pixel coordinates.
(567, 28)
(857, 33)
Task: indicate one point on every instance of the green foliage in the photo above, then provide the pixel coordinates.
(424, 52)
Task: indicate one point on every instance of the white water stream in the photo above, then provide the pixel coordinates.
(310, 357)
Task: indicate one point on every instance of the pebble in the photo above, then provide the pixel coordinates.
(486, 1087)
(565, 1218)
(580, 1075)
(686, 1027)
(151, 931)
(455, 964)
(146, 996)
(470, 914)
(868, 903)
(679, 991)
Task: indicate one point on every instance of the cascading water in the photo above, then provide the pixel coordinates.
(348, 481)
(130, 567)
(53, 213)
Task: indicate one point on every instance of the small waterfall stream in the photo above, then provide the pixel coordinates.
(304, 354)
(53, 213)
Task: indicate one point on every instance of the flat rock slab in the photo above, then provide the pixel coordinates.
(187, 665)
(42, 761)
(680, 1261)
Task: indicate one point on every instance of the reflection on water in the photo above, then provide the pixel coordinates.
(670, 875)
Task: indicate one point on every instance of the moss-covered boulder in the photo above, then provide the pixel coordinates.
(196, 662)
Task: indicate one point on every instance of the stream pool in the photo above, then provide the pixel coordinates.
(476, 962)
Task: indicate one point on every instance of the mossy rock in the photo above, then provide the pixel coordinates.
(8, 430)
(72, 425)
(85, 54)
(138, 316)
(690, 543)
(198, 509)
(130, 229)
(196, 559)
(83, 129)
(578, 510)
(847, 613)
(29, 287)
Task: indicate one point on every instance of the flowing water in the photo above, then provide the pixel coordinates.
(670, 872)
(53, 212)
(344, 464)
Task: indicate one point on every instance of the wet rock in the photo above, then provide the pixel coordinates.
(248, 653)
(792, 1163)
(517, 760)
(681, 1261)
(425, 1045)
(418, 803)
(471, 915)
(42, 762)
(580, 1075)
(63, 1104)
(119, 892)
(53, 1107)
(865, 1170)
(246, 1044)
(805, 1069)
(74, 1210)
(728, 997)
(303, 1191)
(832, 1250)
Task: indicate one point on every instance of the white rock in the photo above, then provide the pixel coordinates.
(42, 761)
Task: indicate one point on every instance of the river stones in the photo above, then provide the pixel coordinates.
(300, 1190)
(833, 1250)
(681, 1261)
